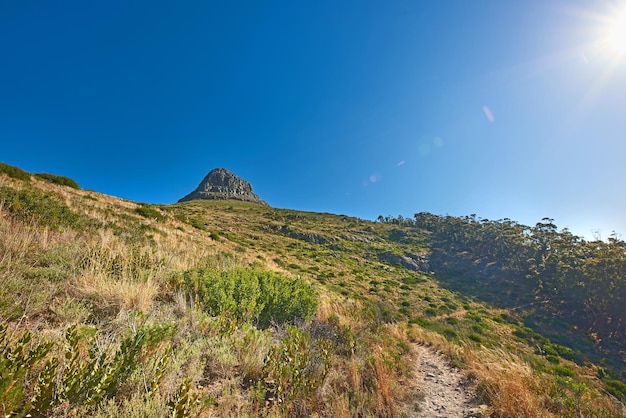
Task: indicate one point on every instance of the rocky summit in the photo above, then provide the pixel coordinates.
(221, 184)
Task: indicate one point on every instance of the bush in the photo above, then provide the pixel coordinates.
(38, 206)
(82, 376)
(616, 388)
(247, 295)
(14, 172)
(449, 334)
(150, 213)
(16, 360)
(560, 370)
(60, 180)
(297, 367)
(196, 223)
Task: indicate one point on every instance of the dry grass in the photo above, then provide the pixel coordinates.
(114, 295)
(384, 388)
(511, 386)
(108, 276)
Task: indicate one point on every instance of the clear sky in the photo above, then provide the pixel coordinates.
(501, 108)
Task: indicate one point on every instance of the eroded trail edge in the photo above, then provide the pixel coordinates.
(445, 391)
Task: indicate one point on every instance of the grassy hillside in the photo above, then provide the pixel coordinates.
(221, 308)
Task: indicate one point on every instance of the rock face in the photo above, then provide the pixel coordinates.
(221, 184)
(411, 262)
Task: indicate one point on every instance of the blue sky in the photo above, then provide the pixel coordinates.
(504, 109)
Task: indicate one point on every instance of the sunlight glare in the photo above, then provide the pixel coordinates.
(616, 38)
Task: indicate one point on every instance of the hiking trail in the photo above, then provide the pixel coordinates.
(445, 391)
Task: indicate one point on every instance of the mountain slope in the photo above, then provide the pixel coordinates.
(164, 305)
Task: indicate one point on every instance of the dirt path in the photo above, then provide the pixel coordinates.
(445, 391)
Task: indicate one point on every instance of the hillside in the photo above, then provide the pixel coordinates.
(230, 308)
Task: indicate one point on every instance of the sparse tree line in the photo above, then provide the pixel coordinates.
(540, 268)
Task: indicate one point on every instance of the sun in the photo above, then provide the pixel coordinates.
(616, 36)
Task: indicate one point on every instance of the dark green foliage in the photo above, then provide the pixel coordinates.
(450, 334)
(196, 223)
(149, 212)
(60, 180)
(616, 388)
(553, 359)
(14, 172)
(32, 205)
(564, 352)
(246, 295)
(563, 281)
(452, 320)
(430, 311)
(560, 370)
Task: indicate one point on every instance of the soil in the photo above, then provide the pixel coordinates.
(445, 391)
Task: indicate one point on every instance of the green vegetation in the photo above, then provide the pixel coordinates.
(297, 367)
(149, 212)
(256, 311)
(14, 172)
(32, 205)
(251, 296)
(60, 180)
(83, 376)
(559, 282)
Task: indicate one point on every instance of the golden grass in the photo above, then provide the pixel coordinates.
(113, 295)
(113, 276)
(510, 385)
(384, 387)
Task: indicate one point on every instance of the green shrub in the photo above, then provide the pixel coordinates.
(16, 360)
(196, 223)
(150, 213)
(430, 311)
(60, 180)
(616, 388)
(247, 295)
(38, 206)
(82, 376)
(553, 359)
(564, 352)
(297, 367)
(560, 370)
(424, 323)
(86, 380)
(14, 172)
(450, 334)
(452, 320)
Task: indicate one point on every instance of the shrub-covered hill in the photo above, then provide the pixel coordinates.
(222, 308)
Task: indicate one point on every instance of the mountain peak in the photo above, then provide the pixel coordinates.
(222, 184)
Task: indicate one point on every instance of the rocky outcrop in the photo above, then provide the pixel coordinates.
(221, 184)
(312, 237)
(413, 262)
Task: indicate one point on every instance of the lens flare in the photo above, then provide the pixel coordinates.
(489, 114)
(616, 38)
